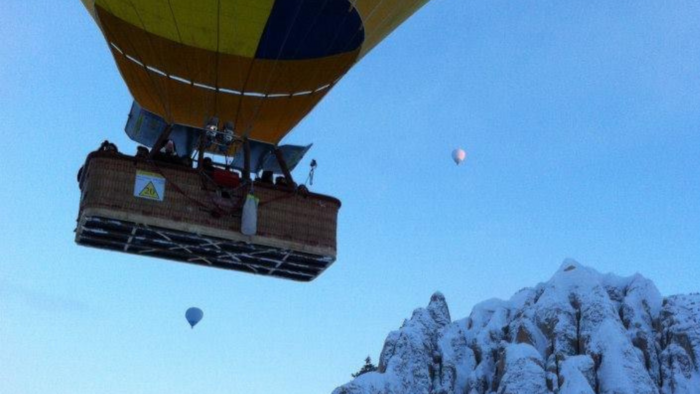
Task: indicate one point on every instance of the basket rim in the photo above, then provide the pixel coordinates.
(175, 167)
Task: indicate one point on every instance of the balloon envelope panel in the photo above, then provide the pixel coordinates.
(263, 64)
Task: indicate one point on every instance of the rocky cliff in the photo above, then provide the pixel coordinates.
(581, 332)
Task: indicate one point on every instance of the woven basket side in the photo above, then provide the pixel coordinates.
(190, 199)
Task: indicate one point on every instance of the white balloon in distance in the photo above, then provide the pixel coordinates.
(458, 155)
(193, 316)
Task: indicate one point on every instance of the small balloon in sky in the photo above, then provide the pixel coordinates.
(193, 316)
(458, 155)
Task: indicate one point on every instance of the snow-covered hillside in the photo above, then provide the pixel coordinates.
(581, 332)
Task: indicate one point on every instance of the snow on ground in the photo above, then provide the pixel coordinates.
(581, 332)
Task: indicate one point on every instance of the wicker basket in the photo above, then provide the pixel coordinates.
(196, 221)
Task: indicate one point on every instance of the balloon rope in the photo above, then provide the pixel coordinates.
(389, 16)
(299, 47)
(217, 207)
(318, 67)
(218, 54)
(191, 74)
(369, 17)
(165, 102)
(296, 52)
(139, 58)
(249, 126)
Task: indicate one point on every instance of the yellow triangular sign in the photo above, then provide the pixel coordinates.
(149, 192)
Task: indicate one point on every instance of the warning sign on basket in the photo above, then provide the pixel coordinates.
(149, 185)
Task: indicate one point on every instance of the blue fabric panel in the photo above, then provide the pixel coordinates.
(262, 157)
(145, 127)
(309, 29)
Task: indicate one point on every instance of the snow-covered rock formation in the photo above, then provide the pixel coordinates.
(579, 333)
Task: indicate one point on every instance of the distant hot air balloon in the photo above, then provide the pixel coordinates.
(458, 155)
(193, 316)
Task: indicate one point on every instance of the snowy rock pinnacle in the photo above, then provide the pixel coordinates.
(581, 332)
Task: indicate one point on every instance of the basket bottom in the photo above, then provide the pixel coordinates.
(140, 239)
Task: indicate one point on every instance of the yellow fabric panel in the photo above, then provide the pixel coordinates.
(90, 5)
(293, 76)
(265, 119)
(232, 72)
(381, 17)
(197, 23)
(146, 14)
(166, 55)
(242, 25)
(271, 119)
(140, 84)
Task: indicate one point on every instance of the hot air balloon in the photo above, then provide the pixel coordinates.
(223, 79)
(458, 155)
(194, 316)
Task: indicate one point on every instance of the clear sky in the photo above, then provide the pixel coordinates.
(581, 120)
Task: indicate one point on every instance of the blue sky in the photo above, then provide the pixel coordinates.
(582, 128)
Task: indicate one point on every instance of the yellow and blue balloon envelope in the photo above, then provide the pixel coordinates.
(262, 64)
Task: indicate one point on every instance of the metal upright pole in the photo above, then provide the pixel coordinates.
(160, 142)
(200, 154)
(283, 166)
(246, 159)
